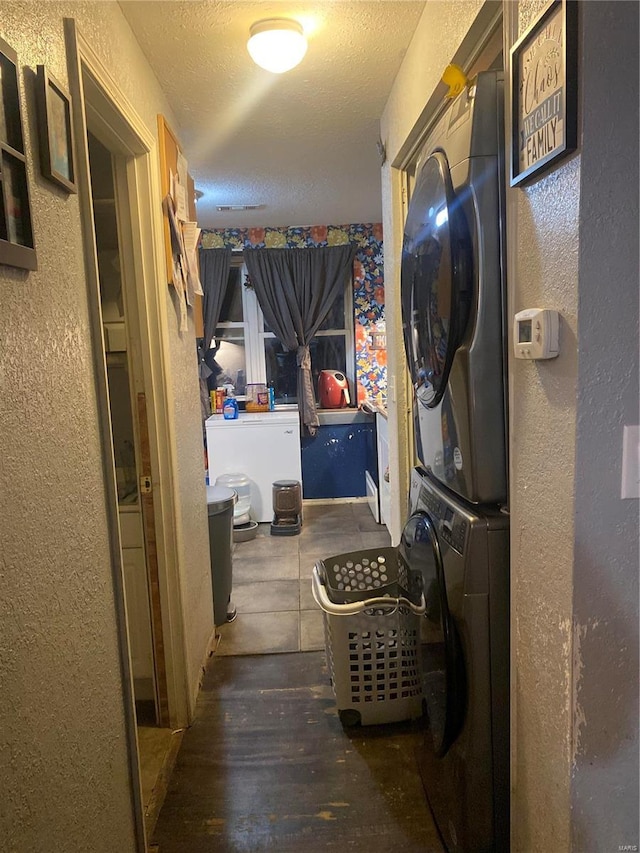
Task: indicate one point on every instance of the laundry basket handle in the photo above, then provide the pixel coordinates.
(321, 598)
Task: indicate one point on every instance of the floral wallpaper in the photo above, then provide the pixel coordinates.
(368, 285)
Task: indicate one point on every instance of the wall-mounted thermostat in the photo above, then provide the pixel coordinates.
(535, 333)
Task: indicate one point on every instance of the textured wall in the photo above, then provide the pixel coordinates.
(63, 756)
(368, 284)
(191, 504)
(543, 246)
(542, 425)
(605, 737)
(442, 28)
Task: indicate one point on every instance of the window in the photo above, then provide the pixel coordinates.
(248, 351)
(230, 339)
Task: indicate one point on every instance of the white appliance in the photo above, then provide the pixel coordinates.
(384, 486)
(263, 445)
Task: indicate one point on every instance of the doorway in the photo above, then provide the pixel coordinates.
(129, 435)
(120, 201)
(125, 381)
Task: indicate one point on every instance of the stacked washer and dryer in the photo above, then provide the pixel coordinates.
(457, 536)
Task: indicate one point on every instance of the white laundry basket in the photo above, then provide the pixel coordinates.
(372, 643)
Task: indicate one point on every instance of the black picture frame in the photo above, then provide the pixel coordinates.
(56, 137)
(544, 93)
(17, 246)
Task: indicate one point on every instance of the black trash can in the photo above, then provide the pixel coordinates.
(220, 502)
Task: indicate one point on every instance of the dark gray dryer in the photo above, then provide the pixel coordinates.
(453, 297)
(463, 559)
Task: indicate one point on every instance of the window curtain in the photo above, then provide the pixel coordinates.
(296, 289)
(214, 274)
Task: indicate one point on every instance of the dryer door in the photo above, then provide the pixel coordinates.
(443, 678)
(436, 279)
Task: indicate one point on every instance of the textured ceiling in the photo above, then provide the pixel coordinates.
(301, 144)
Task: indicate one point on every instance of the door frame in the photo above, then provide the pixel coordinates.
(97, 98)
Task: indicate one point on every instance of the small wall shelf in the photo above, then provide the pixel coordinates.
(17, 248)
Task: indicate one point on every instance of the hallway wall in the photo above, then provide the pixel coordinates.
(574, 542)
(543, 242)
(63, 751)
(605, 778)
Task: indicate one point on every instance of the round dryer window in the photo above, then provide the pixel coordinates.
(436, 279)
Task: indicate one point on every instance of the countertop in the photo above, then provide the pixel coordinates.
(377, 407)
(326, 417)
(283, 416)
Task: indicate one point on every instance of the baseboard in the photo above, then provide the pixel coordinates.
(372, 496)
(320, 501)
(161, 787)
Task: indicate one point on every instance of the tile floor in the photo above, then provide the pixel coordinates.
(272, 579)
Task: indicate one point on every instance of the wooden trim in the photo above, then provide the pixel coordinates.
(138, 185)
(132, 135)
(198, 313)
(168, 149)
(161, 787)
(153, 575)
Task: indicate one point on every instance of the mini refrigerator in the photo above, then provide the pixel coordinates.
(263, 445)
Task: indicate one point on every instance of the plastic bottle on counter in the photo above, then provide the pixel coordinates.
(272, 396)
(230, 407)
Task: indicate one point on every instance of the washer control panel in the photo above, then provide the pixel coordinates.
(452, 526)
(454, 530)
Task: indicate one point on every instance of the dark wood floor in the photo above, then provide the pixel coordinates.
(267, 765)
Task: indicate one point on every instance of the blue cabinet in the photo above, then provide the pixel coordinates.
(334, 461)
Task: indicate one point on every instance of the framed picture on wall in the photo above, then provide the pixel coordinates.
(17, 248)
(544, 69)
(56, 141)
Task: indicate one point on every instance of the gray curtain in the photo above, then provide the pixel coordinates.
(296, 289)
(214, 274)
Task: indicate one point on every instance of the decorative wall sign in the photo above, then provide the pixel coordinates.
(56, 140)
(16, 235)
(544, 92)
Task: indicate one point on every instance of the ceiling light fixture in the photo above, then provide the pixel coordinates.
(277, 44)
